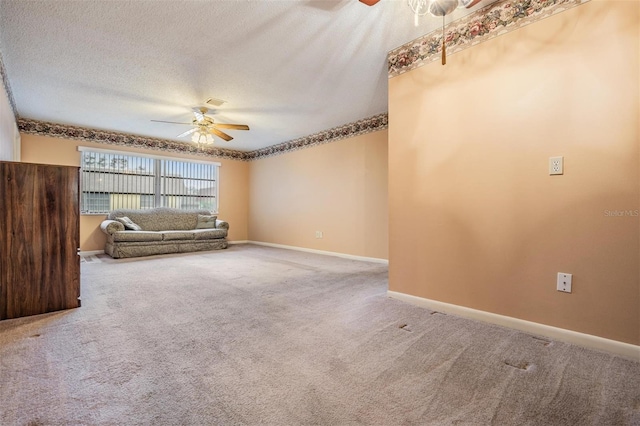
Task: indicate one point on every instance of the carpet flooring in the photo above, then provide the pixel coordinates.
(261, 336)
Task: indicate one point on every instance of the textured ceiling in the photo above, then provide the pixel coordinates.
(286, 68)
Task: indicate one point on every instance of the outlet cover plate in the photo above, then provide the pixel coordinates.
(556, 165)
(564, 282)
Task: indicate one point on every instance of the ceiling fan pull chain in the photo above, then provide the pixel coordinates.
(444, 53)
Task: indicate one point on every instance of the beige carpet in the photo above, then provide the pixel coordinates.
(255, 335)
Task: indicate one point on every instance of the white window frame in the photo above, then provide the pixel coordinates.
(158, 195)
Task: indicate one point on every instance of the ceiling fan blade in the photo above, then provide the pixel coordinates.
(220, 134)
(170, 122)
(469, 3)
(232, 126)
(199, 115)
(188, 132)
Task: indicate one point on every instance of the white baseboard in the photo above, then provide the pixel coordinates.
(327, 253)
(626, 350)
(238, 242)
(90, 253)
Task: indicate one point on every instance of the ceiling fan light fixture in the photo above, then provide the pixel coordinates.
(442, 7)
(202, 138)
(438, 7)
(419, 7)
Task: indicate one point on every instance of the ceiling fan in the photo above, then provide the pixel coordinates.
(204, 128)
(430, 4)
(435, 8)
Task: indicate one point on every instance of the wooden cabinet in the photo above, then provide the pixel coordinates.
(39, 239)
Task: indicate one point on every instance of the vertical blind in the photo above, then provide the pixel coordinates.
(113, 180)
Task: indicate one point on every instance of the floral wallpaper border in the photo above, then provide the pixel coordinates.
(123, 139)
(7, 88)
(360, 127)
(367, 125)
(491, 21)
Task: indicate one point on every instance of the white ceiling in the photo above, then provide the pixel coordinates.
(287, 68)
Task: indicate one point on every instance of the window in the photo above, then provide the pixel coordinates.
(116, 180)
(147, 201)
(95, 201)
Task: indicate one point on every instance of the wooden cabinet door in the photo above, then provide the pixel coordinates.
(39, 263)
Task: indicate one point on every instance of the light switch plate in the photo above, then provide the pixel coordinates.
(564, 282)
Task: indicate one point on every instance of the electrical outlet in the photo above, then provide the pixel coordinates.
(318, 234)
(556, 165)
(564, 282)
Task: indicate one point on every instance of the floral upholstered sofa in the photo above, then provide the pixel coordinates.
(132, 233)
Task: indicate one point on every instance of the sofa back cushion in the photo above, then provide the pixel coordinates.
(161, 218)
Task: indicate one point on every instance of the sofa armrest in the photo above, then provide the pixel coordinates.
(110, 227)
(221, 224)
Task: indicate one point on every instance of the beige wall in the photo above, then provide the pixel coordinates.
(475, 219)
(9, 136)
(233, 191)
(339, 188)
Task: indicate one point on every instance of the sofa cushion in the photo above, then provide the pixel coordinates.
(133, 249)
(208, 234)
(128, 224)
(137, 236)
(177, 235)
(206, 221)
